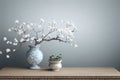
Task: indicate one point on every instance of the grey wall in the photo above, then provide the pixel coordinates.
(98, 36)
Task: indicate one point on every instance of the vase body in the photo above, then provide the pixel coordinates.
(55, 65)
(34, 57)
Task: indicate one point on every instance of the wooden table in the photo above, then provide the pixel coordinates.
(76, 73)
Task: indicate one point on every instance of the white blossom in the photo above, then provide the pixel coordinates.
(14, 50)
(28, 35)
(12, 28)
(39, 39)
(42, 20)
(15, 44)
(25, 36)
(1, 52)
(75, 45)
(17, 21)
(24, 23)
(36, 33)
(71, 39)
(49, 36)
(4, 38)
(32, 38)
(8, 50)
(15, 40)
(9, 30)
(31, 41)
(20, 32)
(60, 30)
(28, 26)
(61, 36)
(54, 23)
(8, 42)
(62, 21)
(28, 39)
(22, 40)
(7, 56)
(69, 24)
(31, 24)
(75, 27)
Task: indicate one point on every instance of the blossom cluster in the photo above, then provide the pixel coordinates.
(39, 33)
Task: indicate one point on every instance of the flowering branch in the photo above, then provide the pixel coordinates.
(57, 39)
(39, 33)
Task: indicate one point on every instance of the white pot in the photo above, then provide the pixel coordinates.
(34, 57)
(55, 65)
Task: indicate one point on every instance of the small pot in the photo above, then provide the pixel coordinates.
(55, 65)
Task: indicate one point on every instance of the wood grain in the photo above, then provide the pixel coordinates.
(74, 73)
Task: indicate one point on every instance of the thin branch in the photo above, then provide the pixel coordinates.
(57, 39)
(47, 34)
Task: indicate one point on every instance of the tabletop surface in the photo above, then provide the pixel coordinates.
(65, 71)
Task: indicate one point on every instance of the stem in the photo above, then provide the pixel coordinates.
(47, 34)
(57, 39)
(43, 38)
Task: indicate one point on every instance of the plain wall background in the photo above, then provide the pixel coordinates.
(98, 36)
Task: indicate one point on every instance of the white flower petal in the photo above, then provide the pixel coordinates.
(8, 50)
(9, 30)
(24, 23)
(15, 44)
(54, 23)
(25, 36)
(15, 40)
(20, 32)
(4, 38)
(62, 21)
(31, 41)
(31, 24)
(39, 39)
(28, 39)
(8, 56)
(28, 35)
(7, 42)
(75, 45)
(17, 21)
(32, 38)
(28, 26)
(1, 52)
(22, 40)
(61, 36)
(10, 42)
(14, 50)
(42, 20)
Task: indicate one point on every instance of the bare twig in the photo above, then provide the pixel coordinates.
(57, 39)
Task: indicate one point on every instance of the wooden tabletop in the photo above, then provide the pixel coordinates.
(81, 71)
(66, 71)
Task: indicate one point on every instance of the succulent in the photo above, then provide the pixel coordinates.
(55, 57)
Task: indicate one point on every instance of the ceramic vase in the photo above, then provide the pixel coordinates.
(34, 57)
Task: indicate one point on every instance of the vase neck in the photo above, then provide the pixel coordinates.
(36, 46)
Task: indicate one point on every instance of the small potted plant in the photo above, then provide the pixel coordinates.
(55, 62)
